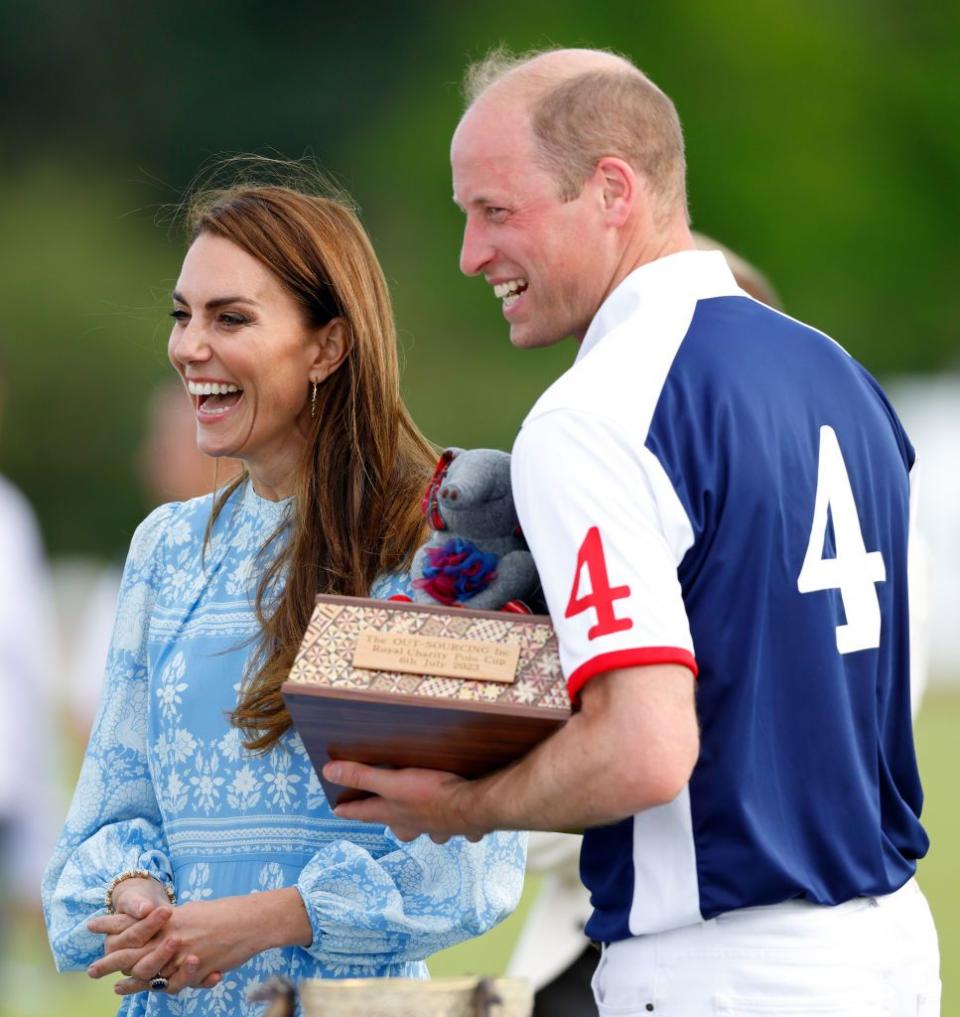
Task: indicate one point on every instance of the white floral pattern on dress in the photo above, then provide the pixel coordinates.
(244, 791)
(197, 887)
(281, 783)
(170, 687)
(166, 785)
(176, 746)
(206, 781)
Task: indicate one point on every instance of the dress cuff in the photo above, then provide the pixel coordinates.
(158, 865)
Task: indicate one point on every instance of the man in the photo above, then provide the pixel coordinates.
(551, 950)
(717, 499)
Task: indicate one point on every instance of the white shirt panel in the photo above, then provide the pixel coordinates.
(666, 894)
(674, 523)
(622, 377)
(918, 584)
(653, 295)
(580, 462)
(574, 474)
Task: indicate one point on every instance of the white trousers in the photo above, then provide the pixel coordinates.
(869, 957)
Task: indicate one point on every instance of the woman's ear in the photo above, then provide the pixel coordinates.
(333, 344)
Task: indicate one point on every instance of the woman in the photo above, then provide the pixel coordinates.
(283, 336)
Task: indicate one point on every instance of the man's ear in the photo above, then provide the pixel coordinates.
(333, 344)
(619, 187)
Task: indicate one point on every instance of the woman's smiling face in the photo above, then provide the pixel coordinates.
(242, 345)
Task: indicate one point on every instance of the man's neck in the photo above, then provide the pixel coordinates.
(673, 238)
(644, 249)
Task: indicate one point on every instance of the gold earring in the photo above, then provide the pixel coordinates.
(313, 399)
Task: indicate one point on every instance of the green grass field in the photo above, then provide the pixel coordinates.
(32, 989)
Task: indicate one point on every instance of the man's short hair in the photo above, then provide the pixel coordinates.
(579, 118)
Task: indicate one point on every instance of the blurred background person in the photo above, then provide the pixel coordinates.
(171, 469)
(29, 809)
(749, 278)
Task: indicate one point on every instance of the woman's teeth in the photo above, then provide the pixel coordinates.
(201, 388)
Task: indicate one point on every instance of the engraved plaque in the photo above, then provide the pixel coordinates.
(406, 652)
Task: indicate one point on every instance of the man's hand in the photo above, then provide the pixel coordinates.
(410, 802)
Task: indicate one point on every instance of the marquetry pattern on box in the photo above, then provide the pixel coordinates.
(327, 651)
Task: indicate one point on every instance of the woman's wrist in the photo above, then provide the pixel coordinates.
(142, 876)
(281, 919)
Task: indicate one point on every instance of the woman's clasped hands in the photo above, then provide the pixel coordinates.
(189, 945)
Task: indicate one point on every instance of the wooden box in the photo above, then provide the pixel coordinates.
(398, 684)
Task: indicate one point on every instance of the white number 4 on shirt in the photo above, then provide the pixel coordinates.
(854, 570)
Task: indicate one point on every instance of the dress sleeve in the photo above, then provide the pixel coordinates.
(412, 901)
(392, 584)
(114, 820)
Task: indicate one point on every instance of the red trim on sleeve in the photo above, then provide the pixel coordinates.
(641, 656)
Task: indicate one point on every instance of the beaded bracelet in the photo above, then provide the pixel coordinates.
(134, 874)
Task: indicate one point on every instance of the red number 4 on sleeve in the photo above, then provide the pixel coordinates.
(602, 595)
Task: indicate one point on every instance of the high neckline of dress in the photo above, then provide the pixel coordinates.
(264, 508)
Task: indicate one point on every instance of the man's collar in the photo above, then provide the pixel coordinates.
(686, 275)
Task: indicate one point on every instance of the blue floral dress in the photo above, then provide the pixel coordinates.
(167, 786)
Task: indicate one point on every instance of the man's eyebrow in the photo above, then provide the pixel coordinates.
(212, 305)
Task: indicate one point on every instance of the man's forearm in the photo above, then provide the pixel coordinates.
(606, 763)
(631, 747)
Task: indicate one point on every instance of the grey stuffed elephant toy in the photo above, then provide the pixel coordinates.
(476, 557)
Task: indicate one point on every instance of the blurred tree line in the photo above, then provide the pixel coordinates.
(822, 145)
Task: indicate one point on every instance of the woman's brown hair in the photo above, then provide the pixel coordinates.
(356, 511)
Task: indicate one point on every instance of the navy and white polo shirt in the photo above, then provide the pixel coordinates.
(717, 485)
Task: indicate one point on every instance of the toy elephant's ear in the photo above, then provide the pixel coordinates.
(431, 505)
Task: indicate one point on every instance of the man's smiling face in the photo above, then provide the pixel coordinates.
(547, 259)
